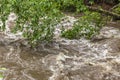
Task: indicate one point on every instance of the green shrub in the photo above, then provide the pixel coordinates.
(38, 18)
(72, 5)
(87, 26)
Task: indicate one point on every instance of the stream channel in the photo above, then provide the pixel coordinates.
(62, 59)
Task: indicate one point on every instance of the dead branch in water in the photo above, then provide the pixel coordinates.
(106, 12)
(115, 6)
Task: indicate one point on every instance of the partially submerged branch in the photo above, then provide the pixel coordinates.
(115, 6)
(115, 15)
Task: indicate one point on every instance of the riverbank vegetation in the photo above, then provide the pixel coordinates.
(37, 18)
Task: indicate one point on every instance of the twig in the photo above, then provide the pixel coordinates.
(104, 12)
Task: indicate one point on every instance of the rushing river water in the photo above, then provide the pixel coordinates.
(62, 59)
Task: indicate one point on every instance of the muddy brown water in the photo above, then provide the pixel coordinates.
(64, 59)
(22, 64)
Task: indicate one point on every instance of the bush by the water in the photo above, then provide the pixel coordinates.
(87, 26)
(38, 18)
